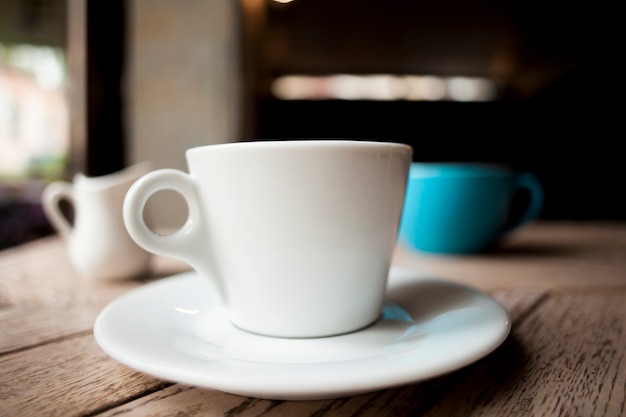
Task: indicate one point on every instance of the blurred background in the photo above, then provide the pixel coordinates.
(94, 86)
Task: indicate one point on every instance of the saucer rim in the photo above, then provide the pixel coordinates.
(278, 389)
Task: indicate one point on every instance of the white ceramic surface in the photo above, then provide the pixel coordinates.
(172, 329)
(98, 244)
(296, 235)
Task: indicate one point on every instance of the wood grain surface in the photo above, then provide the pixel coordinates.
(563, 284)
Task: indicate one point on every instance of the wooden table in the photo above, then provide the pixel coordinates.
(564, 284)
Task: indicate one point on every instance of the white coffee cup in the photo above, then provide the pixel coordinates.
(296, 237)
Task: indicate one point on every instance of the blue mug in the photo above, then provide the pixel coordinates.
(462, 208)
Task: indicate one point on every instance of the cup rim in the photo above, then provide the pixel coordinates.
(459, 170)
(304, 144)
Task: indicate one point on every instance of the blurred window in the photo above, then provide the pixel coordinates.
(34, 115)
(34, 136)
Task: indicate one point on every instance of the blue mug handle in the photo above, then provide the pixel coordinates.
(529, 182)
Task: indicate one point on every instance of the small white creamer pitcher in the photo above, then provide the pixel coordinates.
(99, 246)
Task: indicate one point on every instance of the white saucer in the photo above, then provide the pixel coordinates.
(172, 329)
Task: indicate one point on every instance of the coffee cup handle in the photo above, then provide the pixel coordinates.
(51, 198)
(529, 182)
(188, 243)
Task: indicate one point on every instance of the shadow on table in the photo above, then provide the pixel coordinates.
(478, 386)
(481, 385)
(528, 249)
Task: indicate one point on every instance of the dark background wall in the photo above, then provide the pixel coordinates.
(558, 113)
(577, 157)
